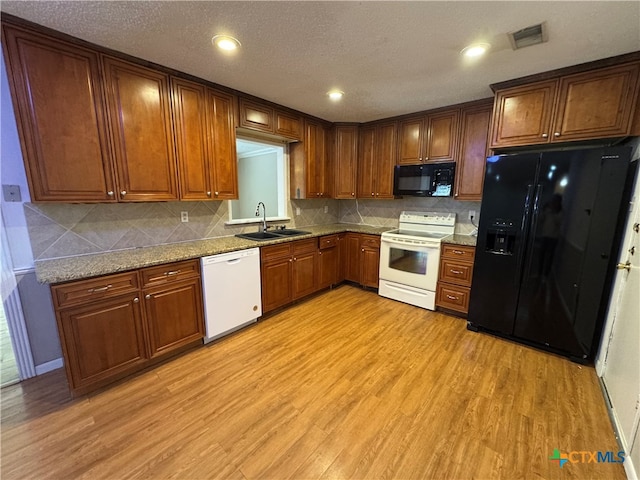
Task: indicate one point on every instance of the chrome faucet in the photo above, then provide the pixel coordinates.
(264, 215)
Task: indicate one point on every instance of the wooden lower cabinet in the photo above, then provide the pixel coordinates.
(288, 272)
(362, 261)
(454, 278)
(328, 261)
(115, 325)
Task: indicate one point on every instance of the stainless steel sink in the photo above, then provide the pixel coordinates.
(261, 236)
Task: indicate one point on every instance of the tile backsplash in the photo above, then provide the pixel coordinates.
(385, 213)
(62, 230)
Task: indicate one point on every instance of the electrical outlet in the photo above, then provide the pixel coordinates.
(472, 214)
(184, 217)
(326, 209)
(297, 210)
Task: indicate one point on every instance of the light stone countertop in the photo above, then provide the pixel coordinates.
(457, 239)
(86, 266)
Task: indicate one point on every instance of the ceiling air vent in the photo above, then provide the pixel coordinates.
(528, 36)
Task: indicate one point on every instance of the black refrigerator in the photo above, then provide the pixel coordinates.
(548, 239)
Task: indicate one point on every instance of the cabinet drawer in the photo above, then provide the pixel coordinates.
(305, 246)
(170, 272)
(456, 272)
(83, 291)
(459, 252)
(282, 250)
(453, 297)
(370, 241)
(328, 241)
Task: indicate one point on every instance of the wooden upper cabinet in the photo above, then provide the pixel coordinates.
(597, 104)
(288, 125)
(589, 105)
(190, 110)
(428, 139)
(410, 140)
(267, 119)
(141, 125)
(222, 145)
(345, 161)
(256, 116)
(470, 167)
(310, 175)
(61, 118)
(376, 160)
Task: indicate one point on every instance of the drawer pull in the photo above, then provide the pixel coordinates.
(452, 297)
(100, 289)
(456, 272)
(458, 252)
(172, 272)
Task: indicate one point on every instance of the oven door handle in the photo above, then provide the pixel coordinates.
(404, 244)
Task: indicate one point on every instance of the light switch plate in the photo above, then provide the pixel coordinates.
(11, 193)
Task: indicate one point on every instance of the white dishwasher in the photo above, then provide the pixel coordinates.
(232, 292)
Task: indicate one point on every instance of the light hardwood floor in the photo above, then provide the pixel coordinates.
(345, 385)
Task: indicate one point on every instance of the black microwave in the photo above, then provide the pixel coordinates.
(427, 180)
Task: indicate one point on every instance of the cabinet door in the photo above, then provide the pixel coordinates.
(59, 104)
(369, 260)
(304, 274)
(410, 141)
(102, 341)
(442, 141)
(174, 316)
(189, 100)
(522, 115)
(328, 259)
(385, 152)
(256, 116)
(222, 134)
(276, 283)
(288, 125)
(342, 258)
(473, 152)
(140, 115)
(315, 159)
(351, 250)
(366, 162)
(596, 104)
(346, 161)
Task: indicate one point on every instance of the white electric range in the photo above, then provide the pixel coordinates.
(410, 257)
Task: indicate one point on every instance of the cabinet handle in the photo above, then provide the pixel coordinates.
(455, 272)
(100, 289)
(377, 194)
(545, 135)
(458, 252)
(372, 194)
(216, 193)
(110, 193)
(451, 297)
(136, 300)
(319, 253)
(148, 297)
(363, 249)
(172, 272)
(208, 194)
(426, 159)
(353, 194)
(557, 134)
(123, 193)
(290, 260)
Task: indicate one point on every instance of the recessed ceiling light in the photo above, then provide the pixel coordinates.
(335, 95)
(225, 42)
(475, 50)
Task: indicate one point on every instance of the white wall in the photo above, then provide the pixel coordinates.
(12, 173)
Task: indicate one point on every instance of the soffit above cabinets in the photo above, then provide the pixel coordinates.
(390, 58)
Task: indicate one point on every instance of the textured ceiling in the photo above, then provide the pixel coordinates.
(390, 58)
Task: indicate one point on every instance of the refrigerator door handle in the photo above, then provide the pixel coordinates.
(534, 226)
(525, 220)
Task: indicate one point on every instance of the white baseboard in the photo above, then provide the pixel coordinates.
(48, 366)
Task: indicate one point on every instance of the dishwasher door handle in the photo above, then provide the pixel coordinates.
(233, 261)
